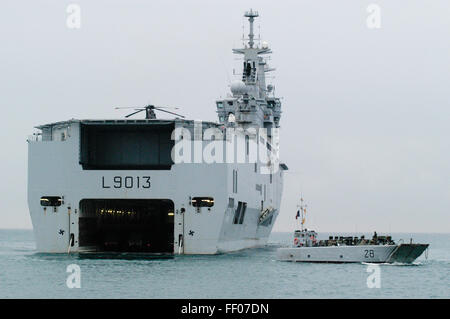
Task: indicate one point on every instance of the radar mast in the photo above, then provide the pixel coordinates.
(252, 102)
(251, 15)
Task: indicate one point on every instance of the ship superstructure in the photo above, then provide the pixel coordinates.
(161, 186)
(253, 103)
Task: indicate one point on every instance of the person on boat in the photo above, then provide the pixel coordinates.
(374, 238)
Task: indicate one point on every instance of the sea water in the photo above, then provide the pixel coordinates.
(251, 273)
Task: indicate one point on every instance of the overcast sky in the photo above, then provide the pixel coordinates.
(366, 112)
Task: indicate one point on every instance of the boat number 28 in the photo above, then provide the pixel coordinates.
(368, 253)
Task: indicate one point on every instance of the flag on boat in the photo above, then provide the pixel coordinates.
(298, 214)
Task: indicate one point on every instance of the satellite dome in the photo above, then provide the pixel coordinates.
(265, 45)
(238, 88)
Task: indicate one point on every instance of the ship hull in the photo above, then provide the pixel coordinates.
(73, 226)
(403, 253)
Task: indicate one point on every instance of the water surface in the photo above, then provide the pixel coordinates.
(252, 273)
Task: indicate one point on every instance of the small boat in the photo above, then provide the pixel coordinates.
(347, 249)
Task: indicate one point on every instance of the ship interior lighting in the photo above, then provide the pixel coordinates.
(202, 201)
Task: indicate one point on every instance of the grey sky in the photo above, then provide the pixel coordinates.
(365, 128)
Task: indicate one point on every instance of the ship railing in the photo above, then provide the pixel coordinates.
(34, 138)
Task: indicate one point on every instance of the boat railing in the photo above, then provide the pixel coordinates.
(34, 138)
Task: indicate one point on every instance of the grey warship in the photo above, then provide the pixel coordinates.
(138, 185)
